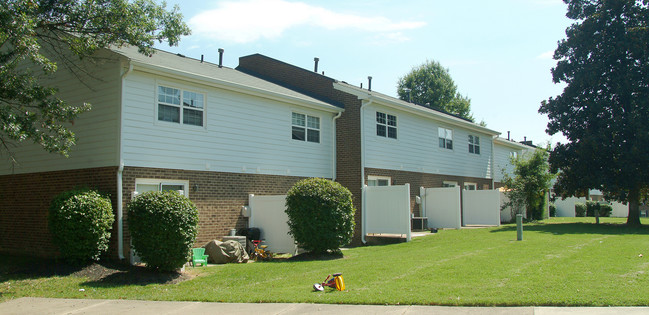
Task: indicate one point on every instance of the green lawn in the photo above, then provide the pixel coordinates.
(563, 261)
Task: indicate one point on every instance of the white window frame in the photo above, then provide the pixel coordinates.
(474, 144)
(447, 137)
(378, 179)
(448, 183)
(308, 128)
(162, 182)
(181, 106)
(467, 186)
(385, 122)
(513, 154)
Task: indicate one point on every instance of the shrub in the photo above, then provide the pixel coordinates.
(163, 228)
(591, 208)
(580, 209)
(320, 214)
(80, 222)
(553, 209)
(605, 210)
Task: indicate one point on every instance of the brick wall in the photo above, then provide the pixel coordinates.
(218, 196)
(25, 200)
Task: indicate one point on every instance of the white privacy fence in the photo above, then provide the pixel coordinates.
(442, 207)
(566, 207)
(386, 210)
(267, 214)
(481, 207)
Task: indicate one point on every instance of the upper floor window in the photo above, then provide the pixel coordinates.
(386, 125)
(305, 128)
(445, 138)
(513, 154)
(474, 144)
(170, 108)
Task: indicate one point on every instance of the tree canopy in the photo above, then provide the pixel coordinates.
(35, 33)
(604, 108)
(431, 84)
(529, 183)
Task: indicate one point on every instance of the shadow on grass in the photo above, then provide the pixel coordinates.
(577, 228)
(137, 275)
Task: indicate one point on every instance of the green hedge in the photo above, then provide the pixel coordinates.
(553, 209)
(163, 227)
(580, 209)
(321, 214)
(80, 222)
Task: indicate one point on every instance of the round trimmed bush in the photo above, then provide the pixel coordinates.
(163, 228)
(320, 214)
(80, 222)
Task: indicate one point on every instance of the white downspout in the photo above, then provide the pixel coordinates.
(363, 207)
(334, 158)
(120, 170)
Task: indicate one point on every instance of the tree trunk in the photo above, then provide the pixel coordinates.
(634, 208)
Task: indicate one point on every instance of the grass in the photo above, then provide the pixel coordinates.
(562, 261)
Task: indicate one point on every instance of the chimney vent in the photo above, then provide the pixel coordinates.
(201, 58)
(508, 135)
(315, 67)
(369, 83)
(221, 57)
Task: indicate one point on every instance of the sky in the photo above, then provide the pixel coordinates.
(498, 52)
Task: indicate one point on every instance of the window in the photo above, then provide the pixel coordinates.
(379, 181)
(449, 184)
(170, 108)
(144, 185)
(445, 138)
(474, 144)
(386, 125)
(470, 186)
(513, 154)
(305, 128)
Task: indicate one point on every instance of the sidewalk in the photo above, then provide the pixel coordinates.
(124, 307)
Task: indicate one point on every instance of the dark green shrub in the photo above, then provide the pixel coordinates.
(580, 209)
(80, 222)
(605, 210)
(163, 228)
(320, 214)
(553, 209)
(591, 208)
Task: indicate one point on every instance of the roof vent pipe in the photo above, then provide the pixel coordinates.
(315, 67)
(202, 58)
(221, 57)
(508, 135)
(369, 83)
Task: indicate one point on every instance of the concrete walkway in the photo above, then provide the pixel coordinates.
(124, 307)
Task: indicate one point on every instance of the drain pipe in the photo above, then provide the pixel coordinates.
(120, 170)
(333, 164)
(363, 207)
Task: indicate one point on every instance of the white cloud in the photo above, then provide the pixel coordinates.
(251, 20)
(546, 55)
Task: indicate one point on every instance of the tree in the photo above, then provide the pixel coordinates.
(430, 84)
(530, 183)
(38, 32)
(604, 108)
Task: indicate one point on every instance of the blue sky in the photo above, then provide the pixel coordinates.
(498, 52)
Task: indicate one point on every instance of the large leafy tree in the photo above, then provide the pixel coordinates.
(39, 36)
(431, 84)
(604, 108)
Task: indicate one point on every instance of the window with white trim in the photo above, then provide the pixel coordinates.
(445, 138)
(513, 154)
(180, 106)
(470, 186)
(449, 184)
(474, 144)
(379, 180)
(305, 128)
(386, 125)
(143, 185)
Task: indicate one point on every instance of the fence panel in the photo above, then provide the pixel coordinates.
(267, 214)
(481, 207)
(442, 207)
(386, 210)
